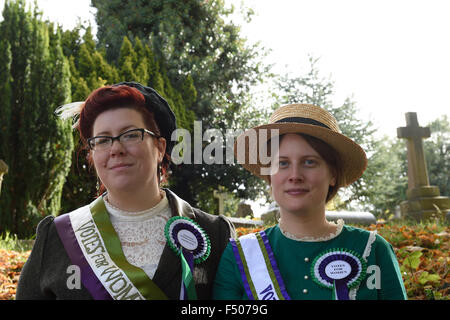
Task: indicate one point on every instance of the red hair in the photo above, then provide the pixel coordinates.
(110, 98)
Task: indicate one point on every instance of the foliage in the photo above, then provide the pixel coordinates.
(230, 202)
(34, 142)
(387, 177)
(422, 251)
(437, 154)
(11, 242)
(11, 263)
(50, 67)
(197, 40)
(423, 254)
(90, 70)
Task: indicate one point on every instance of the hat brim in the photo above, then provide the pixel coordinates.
(353, 160)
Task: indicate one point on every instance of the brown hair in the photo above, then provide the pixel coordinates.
(115, 97)
(329, 155)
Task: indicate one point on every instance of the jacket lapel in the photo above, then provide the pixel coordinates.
(168, 274)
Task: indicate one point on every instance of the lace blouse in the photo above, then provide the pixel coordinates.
(141, 233)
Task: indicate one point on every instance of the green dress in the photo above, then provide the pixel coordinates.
(383, 280)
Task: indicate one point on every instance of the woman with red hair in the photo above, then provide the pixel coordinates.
(137, 240)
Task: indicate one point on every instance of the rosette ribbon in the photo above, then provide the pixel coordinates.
(192, 244)
(339, 270)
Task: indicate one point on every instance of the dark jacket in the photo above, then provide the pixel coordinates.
(44, 275)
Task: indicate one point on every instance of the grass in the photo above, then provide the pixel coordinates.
(11, 242)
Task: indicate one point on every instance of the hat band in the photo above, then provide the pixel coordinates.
(303, 120)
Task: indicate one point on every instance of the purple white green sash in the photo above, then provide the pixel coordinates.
(92, 243)
(259, 271)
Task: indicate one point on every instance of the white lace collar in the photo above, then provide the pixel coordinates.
(339, 224)
(138, 215)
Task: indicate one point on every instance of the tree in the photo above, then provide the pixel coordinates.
(437, 154)
(34, 143)
(387, 175)
(90, 70)
(194, 46)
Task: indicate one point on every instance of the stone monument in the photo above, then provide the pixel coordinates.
(423, 201)
(272, 214)
(236, 221)
(221, 196)
(244, 210)
(3, 170)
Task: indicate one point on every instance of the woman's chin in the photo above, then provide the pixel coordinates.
(122, 186)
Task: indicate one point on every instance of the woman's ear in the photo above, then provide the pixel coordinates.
(161, 145)
(334, 174)
(333, 181)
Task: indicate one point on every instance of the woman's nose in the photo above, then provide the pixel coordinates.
(296, 174)
(117, 148)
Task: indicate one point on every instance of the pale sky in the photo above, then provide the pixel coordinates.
(393, 56)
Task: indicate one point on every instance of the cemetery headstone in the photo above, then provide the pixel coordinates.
(244, 210)
(221, 196)
(272, 214)
(423, 201)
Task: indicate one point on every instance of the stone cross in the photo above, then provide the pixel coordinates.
(221, 196)
(417, 168)
(3, 170)
(423, 201)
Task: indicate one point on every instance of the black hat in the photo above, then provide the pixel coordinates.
(164, 116)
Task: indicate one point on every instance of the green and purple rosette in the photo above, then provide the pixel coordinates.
(192, 244)
(340, 270)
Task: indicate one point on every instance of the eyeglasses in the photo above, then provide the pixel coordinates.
(127, 138)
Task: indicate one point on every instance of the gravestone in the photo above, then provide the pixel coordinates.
(237, 221)
(221, 196)
(244, 210)
(3, 170)
(272, 214)
(423, 201)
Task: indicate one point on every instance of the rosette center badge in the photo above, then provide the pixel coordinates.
(338, 270)
(185, 235)
(192, 245)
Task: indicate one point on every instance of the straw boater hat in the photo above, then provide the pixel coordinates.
(306, 119)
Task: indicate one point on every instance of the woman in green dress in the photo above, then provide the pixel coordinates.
(305, 256)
